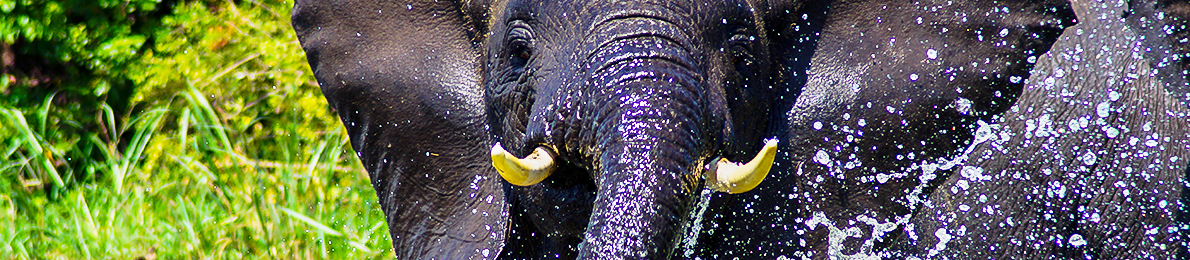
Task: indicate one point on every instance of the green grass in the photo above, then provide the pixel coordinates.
(227, 151)
(197, 197)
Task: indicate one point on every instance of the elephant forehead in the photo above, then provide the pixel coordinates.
(590, 15)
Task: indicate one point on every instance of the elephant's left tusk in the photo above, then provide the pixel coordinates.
(735, 178)
(523, 171)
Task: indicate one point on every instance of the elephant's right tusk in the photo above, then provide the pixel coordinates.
(735, 178)
(523, 171)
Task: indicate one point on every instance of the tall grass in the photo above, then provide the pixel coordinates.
(188, 204)
(229, 152)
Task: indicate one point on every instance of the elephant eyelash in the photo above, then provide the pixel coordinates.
(741, 40)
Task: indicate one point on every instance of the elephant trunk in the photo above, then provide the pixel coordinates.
(646, 149)
(639, 208)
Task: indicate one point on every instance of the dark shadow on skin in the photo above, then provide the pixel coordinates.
(572, 194)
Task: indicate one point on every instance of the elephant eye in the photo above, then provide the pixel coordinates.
(741, 54)
(523, 52)
(519, 54)
(520, 44)
(742, 58)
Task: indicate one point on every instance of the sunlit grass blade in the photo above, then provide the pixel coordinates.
(209, 116)
(359, 246)
(79, 229)
(187, 223)
(43, 113)
(136, 148)
(314, 163)
(34, 145)
(110, 117)
(313, 223)
(89, 222)
(183, 128)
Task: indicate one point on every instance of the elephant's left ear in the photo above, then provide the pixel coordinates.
(403, 77)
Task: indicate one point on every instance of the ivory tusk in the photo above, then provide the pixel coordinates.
(733, 178)
(523, 171)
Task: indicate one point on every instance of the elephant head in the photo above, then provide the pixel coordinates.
(598, 129)
(626, 104)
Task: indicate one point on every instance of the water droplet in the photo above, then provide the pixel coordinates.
(1088, 158)
(963, 105)
(1111, 132)
(943, 238)
(823, 158)
(1077, 240)
(1102, 109)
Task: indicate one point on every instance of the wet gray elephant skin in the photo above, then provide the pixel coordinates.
(1091, 162)
(873, 106)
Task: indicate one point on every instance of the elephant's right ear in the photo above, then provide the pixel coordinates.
(403, 77)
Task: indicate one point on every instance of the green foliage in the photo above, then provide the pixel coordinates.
(103, 35)
(172, 129)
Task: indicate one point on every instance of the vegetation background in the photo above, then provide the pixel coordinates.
(173, 129)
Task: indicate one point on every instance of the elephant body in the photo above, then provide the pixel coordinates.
(901, 129)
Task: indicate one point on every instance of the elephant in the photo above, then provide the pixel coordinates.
(680, 129)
